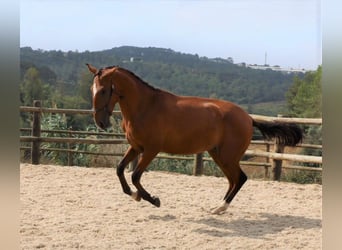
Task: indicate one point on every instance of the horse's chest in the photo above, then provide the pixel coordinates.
(133, 135)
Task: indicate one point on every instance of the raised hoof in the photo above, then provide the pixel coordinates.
(156, 201)
(218, 211)
(136, 196)
(221, 209)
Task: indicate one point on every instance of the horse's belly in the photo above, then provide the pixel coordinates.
(185, 151)
(190, 144)
(194, 135)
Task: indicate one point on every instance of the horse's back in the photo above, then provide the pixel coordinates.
(234, 121)
(216, 109)
(193, 124)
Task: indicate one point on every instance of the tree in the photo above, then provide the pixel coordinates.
(84, 83)
(304, 98)
(32, 87)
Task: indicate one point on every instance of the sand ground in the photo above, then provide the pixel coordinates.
(85, 208)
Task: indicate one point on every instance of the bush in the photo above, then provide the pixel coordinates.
(56, 122)
(170, 165)
(303, 177)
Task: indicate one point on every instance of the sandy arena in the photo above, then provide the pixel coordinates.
(85, 208)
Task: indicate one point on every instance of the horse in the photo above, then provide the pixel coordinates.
(155, 120)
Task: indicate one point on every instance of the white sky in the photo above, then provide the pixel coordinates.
(288, 30)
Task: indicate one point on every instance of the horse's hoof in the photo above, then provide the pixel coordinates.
(221, 209)
(156, 201)
(218, 211)
(136, 196)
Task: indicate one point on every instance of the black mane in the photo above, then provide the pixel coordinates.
(139, 79)
(132, 74)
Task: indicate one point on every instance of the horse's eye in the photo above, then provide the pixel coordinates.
(103, 92)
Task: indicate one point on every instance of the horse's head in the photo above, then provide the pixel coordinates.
(103, 94)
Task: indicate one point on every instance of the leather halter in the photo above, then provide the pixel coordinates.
(105, 108)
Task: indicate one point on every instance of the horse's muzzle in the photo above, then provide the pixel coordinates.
(102, 120)
(103, 125)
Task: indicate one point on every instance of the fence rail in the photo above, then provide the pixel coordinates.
(71, 140)
(277, 156)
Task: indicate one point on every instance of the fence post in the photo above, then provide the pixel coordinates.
(35, 148)
(267, 174)
(198, 165)
(277, 164)
(133, 164)
(70, 154)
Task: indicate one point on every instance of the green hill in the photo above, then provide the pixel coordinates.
(180, 73)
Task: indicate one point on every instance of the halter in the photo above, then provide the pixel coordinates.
(105, 108)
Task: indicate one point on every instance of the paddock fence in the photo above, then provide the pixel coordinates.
(273, 153)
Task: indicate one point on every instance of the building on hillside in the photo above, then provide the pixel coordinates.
(275, 68)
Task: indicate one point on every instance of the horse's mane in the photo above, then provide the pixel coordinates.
(134, 76)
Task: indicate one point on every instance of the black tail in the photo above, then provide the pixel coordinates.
(284, 133)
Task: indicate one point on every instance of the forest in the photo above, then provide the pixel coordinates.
(65, 73)
(61, 79)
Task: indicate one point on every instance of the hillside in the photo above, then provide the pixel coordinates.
(180, 73)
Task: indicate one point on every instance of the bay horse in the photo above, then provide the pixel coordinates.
(156, 121)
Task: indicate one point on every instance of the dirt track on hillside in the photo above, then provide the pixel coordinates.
(84, 208)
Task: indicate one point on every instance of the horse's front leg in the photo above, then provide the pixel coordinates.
(129, 156)
(144, 160)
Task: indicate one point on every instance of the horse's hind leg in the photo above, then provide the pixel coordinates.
(239, 180)
(229, 165)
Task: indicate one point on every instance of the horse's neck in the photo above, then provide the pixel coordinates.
(135, 99)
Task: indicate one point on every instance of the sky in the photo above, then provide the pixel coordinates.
(288, 31)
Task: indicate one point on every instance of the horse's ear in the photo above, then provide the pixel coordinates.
(91, 68)
(109, 71)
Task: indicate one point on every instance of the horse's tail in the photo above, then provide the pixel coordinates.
(284, 133)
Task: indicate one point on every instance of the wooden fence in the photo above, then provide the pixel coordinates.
(277, 156)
